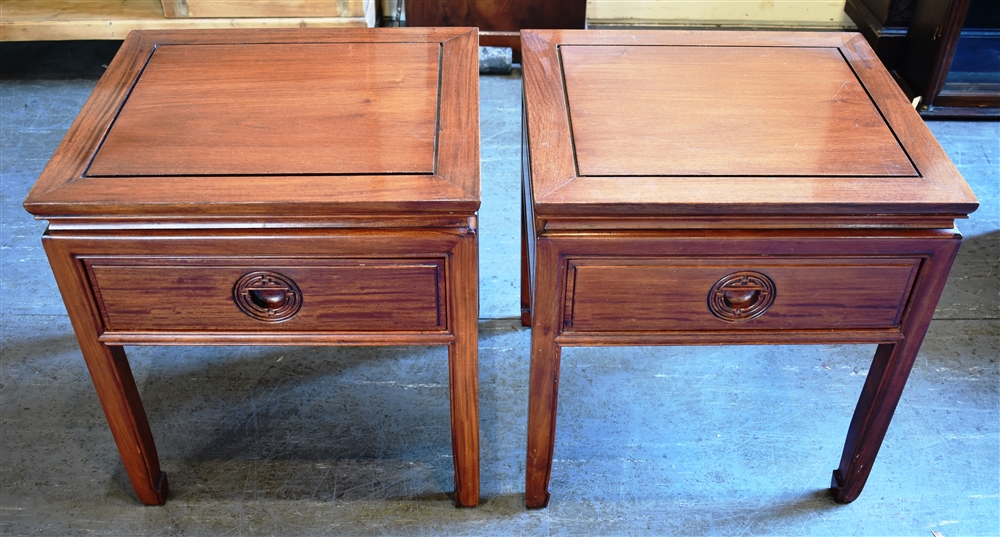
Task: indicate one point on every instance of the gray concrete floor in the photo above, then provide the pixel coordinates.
(354, 441)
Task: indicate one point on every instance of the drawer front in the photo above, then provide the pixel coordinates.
(236, 294)
(665, 294)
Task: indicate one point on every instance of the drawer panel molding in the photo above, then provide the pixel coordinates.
(669, 294)
(242, 294)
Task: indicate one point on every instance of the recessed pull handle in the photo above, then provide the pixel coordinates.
(741, 299)
(267, 296)
(741, 296)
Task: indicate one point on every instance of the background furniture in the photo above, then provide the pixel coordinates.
(946, 52)
(32, 20)
(498, 20)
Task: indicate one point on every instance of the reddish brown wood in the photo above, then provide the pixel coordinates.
(659, 164)
(112, 376)
(491, 15)
(887, 377)
(65, 188)
(561, 189)
(525, 269)
(544, 377)
(342, 164)
(498, 20)
(621, 294)
(757, 111)
(164, 293)
(463, 370)
(208, 110)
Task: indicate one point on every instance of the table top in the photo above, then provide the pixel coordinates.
(726, 123)
(259, 122)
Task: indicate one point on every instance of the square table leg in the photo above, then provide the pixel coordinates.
(112, 376)
(463, 368)
(544, 377)
(887, 376)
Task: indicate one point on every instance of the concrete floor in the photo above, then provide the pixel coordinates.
(354, 441)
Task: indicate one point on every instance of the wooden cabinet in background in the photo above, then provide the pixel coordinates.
(946, 52)
(499, 21)
(884, 24)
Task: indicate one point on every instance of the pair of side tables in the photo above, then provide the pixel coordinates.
(279, 187)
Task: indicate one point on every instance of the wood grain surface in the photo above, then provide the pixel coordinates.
(169, 294)
(786, 123)
(321, 156)
(755, 111)
(811, 293)
(278, 109)
(270, 8)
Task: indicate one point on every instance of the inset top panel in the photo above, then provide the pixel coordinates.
(278, 108)
(672, 123)
(694, 110)
(305, 122)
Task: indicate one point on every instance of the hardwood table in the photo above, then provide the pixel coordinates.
(287, 187)
(686, 188)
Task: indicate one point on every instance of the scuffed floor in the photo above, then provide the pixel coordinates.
(355, 441)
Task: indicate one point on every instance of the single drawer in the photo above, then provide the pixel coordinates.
(252, 294)
(666, 294)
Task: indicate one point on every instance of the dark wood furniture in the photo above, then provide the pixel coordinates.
(499, 20)
(946, 52)
(728, 188)
(884, 24)
(280, 187)
(952, 58)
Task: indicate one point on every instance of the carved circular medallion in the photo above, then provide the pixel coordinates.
(267, 296)
(741, 296)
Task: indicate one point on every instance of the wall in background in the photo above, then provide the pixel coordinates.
(756, 13)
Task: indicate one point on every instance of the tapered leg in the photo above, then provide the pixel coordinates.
(542, 405)
(544, 378)
(887, 377)
(879, 397)
(116, 390)
(119, 397)
(463, 368)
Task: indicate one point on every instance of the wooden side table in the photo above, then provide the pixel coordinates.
(685, 188)
(291, 187)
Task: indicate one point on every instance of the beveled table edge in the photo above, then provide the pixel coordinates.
(556, 189)
(63, 189)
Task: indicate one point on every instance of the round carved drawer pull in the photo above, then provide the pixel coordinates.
(267, 296)
(741, 296)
